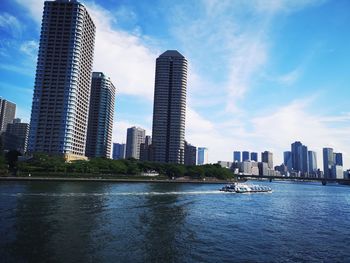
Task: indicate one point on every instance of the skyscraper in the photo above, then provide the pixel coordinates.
(300, 157)
(7, 113)
(267, 157)
(312, 162)
(101, 109)
(169, 108)
(134, 137)
(287, 160)
(202, 155)
(328, 162)
(236, 156)
(245, 156)
(60, 105)
(254, 156)
(118, 151)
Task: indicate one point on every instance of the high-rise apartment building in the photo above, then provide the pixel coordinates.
(267, 157)
(16, 136)
(118, 151)
(245, 156)
(190, 154)
(7, 113)
(60, 105)
(287, 160)
(254, 156)
(169, 108)
(202, 155)
(236, 156)
(101, 110)
(328, 162)
(312, 162)
(134, 137)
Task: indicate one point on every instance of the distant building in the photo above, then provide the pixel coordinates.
(300, 158)
(60, 105)
(254, 156)
(135, 136)
(263, 169)
(169, 109)
(246, 167)
(225, 164)
(118, 151)
(146, 149)
(190, 154)
(337, 172)
(236, 156)
(16, 136)
(267, 157)
(202, 155)
(101, 111)
(328, 162)
(7, 113)
(287, 160)
(312, 158)
(245, 156)
(338, 159)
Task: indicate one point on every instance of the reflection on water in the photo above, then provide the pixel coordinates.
(104, 222)
(164, 222)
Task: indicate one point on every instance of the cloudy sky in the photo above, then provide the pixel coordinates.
(262, 73)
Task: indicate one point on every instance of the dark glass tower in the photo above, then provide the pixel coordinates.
(100, 128)
(63, 80)
(169, 110)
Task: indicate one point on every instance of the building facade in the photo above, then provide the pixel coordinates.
(134, 137)
(328, 162)
(169, 109)
(236, 156)
(312, 162)
(60, 107)
(190, 154)
(118, 151)
(7, 113)
(16, 137)
(300, 162)
(245, 156)
(254, 156)
(146, 149)
(202, 156)
(287, 160)
(101, 111)
(267, 157)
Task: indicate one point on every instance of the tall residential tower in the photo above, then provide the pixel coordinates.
(60, 105)
(7, 113)
(100, 128)
(169, 108)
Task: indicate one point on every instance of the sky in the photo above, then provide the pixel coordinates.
(262, 73)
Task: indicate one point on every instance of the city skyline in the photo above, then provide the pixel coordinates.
(304, 114)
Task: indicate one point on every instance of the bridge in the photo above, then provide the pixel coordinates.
(293, 178)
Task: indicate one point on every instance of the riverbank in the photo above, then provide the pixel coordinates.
(115, 180)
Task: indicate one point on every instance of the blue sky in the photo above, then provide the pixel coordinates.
(262, 73)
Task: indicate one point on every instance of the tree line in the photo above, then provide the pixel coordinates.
(44, 164)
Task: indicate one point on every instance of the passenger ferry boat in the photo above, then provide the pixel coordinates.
(245, 188)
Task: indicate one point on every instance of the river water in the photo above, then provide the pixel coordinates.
(146, 222)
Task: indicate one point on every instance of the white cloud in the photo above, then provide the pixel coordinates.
(11, 24)
(30, 48)
(122, 56)
(34, 7)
